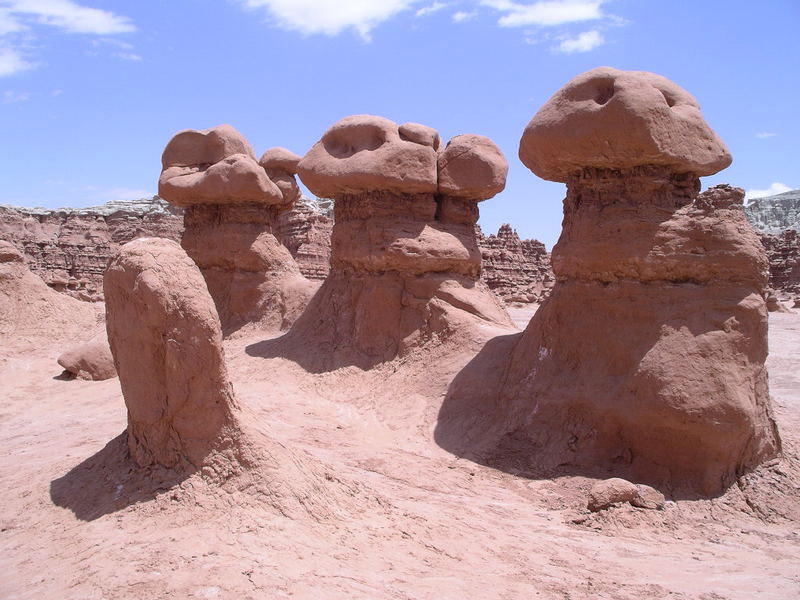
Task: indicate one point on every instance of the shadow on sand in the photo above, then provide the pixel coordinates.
(109, 481)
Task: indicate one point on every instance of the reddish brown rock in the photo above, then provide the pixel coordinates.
(232, 209)
(165, 336)
(69, 248)
(405, 264)
(609, 492)
(783, 251)
(648, 358)
(611, 119)
(92, 360)
(514, 269)
(30, 309)
(306, 230)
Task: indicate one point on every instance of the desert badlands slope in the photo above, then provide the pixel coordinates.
(396, 431)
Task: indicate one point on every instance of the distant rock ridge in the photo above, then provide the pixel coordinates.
(775, 214)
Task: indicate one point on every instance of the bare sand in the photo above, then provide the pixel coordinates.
(408, 519)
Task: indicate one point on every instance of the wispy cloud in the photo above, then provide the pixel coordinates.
(583, 42)
(775, 188)
(765, 134)
(428, 10)
(122, 194)
(128, 56)
(12, 97)
(461, 16)
(330, 17)
(545, 13)
(20, 18)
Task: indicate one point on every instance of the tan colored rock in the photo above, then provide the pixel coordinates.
(232, 210)
(609, 492)
(611, 119)
(165, 336)
(649, 498)
(364, 153)
(92, 360)
(405, 264)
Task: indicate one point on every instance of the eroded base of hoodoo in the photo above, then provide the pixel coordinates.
(364, 319)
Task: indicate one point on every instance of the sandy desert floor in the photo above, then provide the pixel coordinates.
(392, 516)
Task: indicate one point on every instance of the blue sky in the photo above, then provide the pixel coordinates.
(91, 90)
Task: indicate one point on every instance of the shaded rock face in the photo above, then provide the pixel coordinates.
(166, 340)
(306, 230)
(405, 264)
(514, 269)
(775, 214)
(647, 360)
(232, 205)
(91, 360)
(70, 248)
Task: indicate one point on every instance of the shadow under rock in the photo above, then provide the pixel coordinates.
(109, 481)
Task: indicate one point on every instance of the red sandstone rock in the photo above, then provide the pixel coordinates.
(648, 357)
(472, 166)
(608, 492)
(28, 308)
(166, 340)
(783, 251)
(232, 208)
(405, 264)
(364, 153)
(611, 119)
(92, 360)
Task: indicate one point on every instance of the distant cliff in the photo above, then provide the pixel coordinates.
(775, 214)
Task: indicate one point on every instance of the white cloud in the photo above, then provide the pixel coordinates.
(330, 17)
(8, 24)
(584, 42)
(461, 16)
(775, 188)
(765, 134)
(122, 194)
(128, 56)
(11, 97)
(545, 12)
(427, 10)
(12, 62)
(72, 17)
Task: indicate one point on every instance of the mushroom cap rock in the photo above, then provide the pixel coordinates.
(365, 153)
(472, 166)
(215, 166)
(279, 159)
(607, 118)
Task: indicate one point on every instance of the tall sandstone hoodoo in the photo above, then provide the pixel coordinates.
(648, 357)
(232, 204)
(405, 264)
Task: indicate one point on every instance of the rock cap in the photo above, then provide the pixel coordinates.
(472, 166)
(607, 118)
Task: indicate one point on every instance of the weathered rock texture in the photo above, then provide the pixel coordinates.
(306, 231)
(70, 248)
(783, 251)
(405, 264)
(91, 360)
(232, 207)
(166, 339)
(514, 269)
(648, 358)
(775, 214)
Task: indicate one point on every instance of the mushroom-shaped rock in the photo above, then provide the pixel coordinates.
(611, 119)
(91, 360)
(233, 205)
(405, 263)
(472, 166)
(216, 166)
(364, 153)
(165, 336)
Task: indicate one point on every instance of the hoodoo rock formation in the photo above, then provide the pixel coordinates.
(166, 339)
(405, 264)
(648, 358)
(232, 204)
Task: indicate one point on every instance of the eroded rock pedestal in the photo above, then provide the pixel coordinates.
(232, 204)
(405, 264)
(648, 358)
